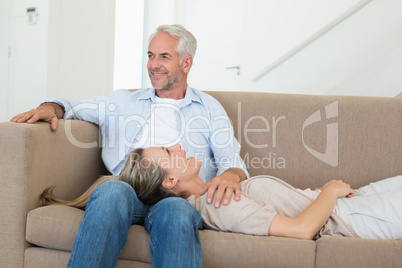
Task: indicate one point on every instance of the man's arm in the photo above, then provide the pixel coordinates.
(224, 186)
(49, 112)
(226, 151)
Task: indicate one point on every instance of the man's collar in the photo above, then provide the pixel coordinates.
(188, 98)
(148, 94)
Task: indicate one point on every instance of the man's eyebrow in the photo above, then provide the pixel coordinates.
(162, 54)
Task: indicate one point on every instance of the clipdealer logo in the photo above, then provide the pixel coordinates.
(330, 156)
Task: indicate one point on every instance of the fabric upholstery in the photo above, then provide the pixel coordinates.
(353, 252)
(55, 227)
(276, 128)
(33, 158)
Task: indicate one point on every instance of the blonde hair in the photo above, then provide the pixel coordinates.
(139, 172)
(146, 178)
(48, 198)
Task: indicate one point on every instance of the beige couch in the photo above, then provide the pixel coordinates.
(305, 140)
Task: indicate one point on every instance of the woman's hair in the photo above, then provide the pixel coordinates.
(187, 42)
(48, 198)
(140, 172)
(145, 177)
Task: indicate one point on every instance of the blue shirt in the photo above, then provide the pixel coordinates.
(205, 129)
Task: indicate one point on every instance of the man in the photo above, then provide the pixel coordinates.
(169, 113)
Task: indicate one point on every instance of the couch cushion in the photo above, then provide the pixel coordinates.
(55, 227)
(36, 257)
(356, 252)
(221, 249)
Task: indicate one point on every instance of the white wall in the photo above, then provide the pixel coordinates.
(66, 53)
(128, 48)
(80, 64)
(84, 50)
(359, 56)
(158, 12)
(5, 6)
(380, 78)
(326, 65)
(28, 64)
(348, 50)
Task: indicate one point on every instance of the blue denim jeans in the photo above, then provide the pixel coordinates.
(113, 207)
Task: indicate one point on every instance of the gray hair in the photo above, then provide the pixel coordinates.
(187, 42)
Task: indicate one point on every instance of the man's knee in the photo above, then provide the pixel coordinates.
(177, 212)
(114, 193)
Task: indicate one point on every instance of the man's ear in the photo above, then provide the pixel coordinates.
(186, 64)
(169, 182)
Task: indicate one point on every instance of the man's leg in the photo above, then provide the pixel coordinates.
(173, 224)
(112, 208)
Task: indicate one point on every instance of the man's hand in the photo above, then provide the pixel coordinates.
(48, 112)
(223, 187)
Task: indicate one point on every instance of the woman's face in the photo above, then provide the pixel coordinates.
(175, 161)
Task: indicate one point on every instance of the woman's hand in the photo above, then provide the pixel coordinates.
(342, 189)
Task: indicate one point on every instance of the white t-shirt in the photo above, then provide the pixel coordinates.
(162, 127)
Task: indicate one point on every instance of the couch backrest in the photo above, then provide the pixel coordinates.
(308, 140)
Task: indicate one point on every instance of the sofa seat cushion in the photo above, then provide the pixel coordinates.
(357, 252)
(55, 227)
(223, 249)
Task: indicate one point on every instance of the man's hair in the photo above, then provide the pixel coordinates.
(187, 42)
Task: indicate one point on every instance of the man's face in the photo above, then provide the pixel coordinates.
(164, 63)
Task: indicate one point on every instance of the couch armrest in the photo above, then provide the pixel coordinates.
(32, 158)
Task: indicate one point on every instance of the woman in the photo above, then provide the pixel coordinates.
(268, 205)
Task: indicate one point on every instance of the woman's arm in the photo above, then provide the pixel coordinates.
(311, 219)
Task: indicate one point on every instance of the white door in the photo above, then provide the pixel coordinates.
(216, 25)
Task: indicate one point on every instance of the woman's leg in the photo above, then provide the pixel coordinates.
(112, 208)
(173, 224)
(375, 211)
(386, 185)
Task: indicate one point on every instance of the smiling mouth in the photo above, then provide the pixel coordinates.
(158, 74)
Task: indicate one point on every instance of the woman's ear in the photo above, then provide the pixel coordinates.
(169, 182)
